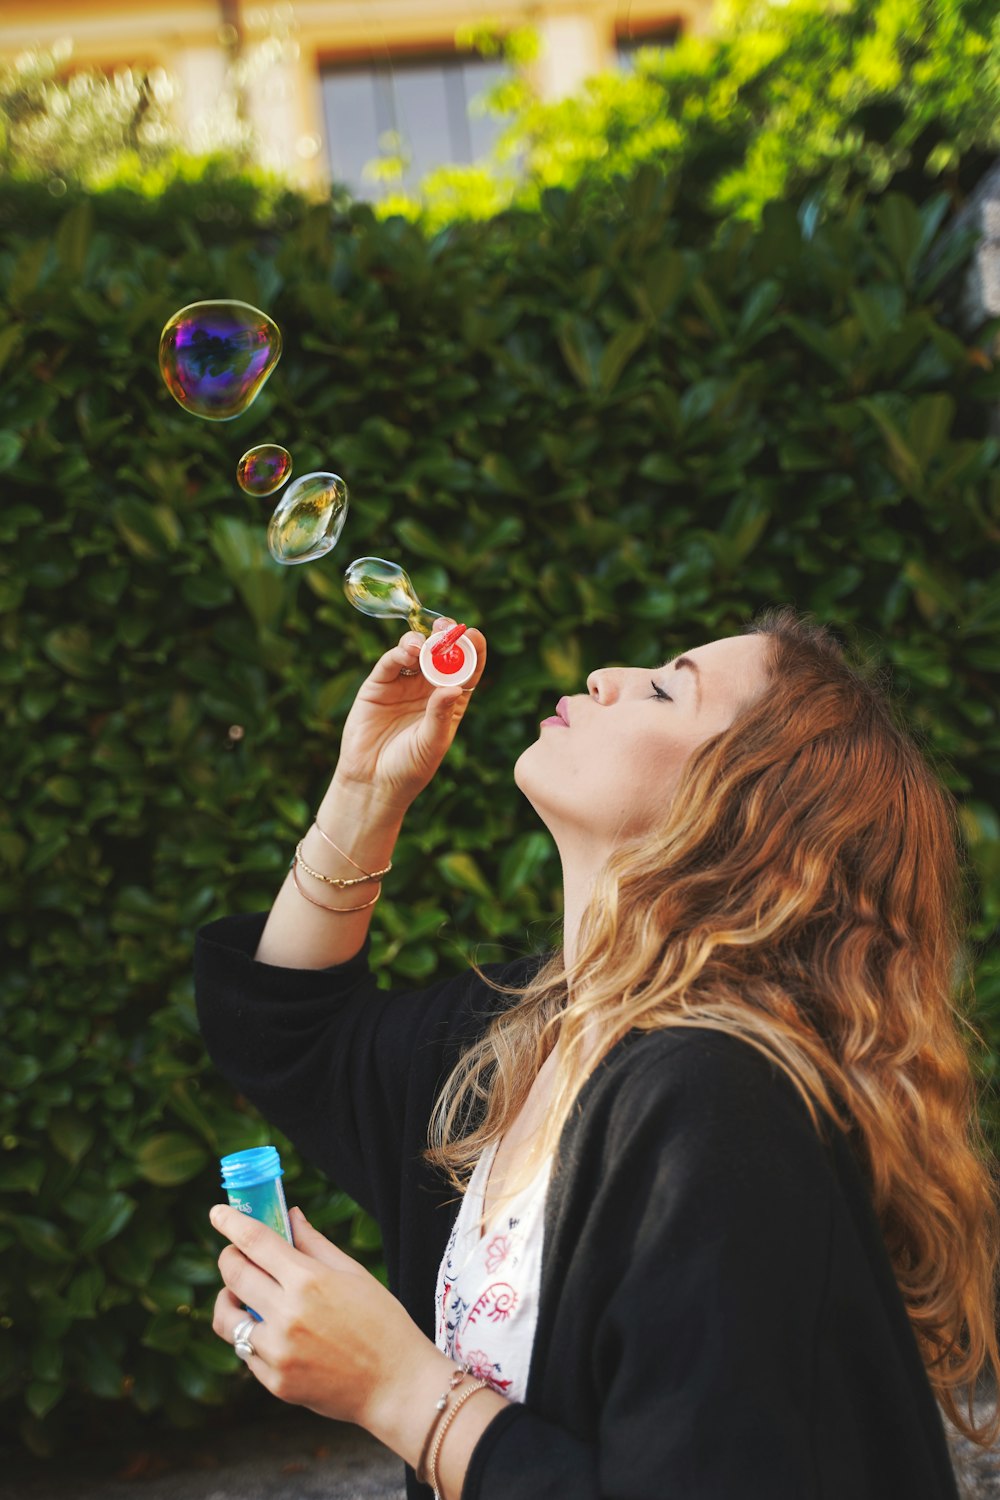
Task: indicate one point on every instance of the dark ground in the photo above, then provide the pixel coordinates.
(276, 1452)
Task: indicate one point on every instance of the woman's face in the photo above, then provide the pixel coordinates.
(609, 771)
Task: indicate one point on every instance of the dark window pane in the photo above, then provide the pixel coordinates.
(352, 129)
(426, 102)
(422, 118)
(483, 129)
(660, 36)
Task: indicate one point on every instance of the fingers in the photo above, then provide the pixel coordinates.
(316, 1245)
(258, 1242)
(227, 1315)
(406, 653)
(247, 1282)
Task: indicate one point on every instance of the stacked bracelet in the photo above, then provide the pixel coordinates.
(441, 1403)
(480, 1385)
(335, 880)
(322, 904)
(365, 876)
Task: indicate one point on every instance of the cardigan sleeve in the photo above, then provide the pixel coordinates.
(336, 1063)
(707, 1246)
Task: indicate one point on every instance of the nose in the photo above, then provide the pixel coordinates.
(603, 684)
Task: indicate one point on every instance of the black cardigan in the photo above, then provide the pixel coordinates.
(718, 1317)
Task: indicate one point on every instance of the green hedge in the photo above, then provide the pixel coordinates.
(592, 436)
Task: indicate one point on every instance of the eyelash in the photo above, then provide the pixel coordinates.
(659, 691)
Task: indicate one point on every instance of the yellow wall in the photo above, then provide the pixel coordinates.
(188, 38)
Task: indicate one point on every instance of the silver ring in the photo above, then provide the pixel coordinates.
(241, 1338)
(408, 672)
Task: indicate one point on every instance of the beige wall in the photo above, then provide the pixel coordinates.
(189, 37)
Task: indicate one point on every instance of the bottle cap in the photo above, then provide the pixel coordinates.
(448, 665)
(244, 1169)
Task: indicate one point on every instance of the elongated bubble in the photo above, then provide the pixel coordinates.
(380, 588)
(264, 469)
(308, 518)
(216, 356)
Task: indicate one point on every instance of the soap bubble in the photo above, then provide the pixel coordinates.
(264, 469)
(383, 589)
(308, 518)
(216, 356)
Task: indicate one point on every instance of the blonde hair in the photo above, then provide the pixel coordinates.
(803, 892)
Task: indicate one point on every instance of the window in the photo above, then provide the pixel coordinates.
(423, 100)
(664, 34)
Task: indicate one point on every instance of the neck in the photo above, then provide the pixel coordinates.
(580, 866)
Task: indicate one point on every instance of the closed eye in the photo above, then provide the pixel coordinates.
(659, 691)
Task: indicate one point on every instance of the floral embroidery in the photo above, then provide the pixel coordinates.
(496, 1251)
(479, 1364)
(472, 1306)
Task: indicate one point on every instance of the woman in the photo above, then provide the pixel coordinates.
(755, 1232)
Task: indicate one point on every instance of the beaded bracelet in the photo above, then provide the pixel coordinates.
(441, 1403)
(335, 880)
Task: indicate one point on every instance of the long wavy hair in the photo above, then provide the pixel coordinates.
(804, 891)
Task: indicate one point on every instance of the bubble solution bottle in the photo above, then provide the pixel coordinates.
(252, 1180)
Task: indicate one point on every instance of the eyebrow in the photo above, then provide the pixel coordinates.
(685, 661)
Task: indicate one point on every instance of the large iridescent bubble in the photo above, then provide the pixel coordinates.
(308, 518)
(216, 356)
(264, 469)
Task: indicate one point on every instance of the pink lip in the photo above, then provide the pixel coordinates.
(560, 717)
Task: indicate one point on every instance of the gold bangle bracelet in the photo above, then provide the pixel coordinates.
(481, 1385)
(322, 904)
(340, 883)
(343, 852)
(457, 1377)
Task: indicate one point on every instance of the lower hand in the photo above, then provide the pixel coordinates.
(332, 1334)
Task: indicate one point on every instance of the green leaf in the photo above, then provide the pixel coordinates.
(168, 1332)
(522, 861)
(40, 1237)
(928, 427)
(617, 354)
(903, 461)
(170, 1158)
(41, 1396)
(71, 1134)
(581, 347)
(461, 870)
(73, 237)
(109, 1221)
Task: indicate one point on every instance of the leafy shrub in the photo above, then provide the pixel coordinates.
(587, 429)
(873, 93)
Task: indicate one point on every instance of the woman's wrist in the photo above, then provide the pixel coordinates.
(403, 1409)
(362, 801)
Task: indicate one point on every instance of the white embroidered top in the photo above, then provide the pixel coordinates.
(487, 1288)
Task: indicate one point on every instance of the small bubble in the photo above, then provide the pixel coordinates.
(227, 36)
(264, 469)
(9, 1142)
(307, 146)
(57, 187)
(6, 1322)
(235, 732)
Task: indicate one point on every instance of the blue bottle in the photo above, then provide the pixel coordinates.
(252, 1180)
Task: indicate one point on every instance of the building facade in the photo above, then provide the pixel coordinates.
(331, 84)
